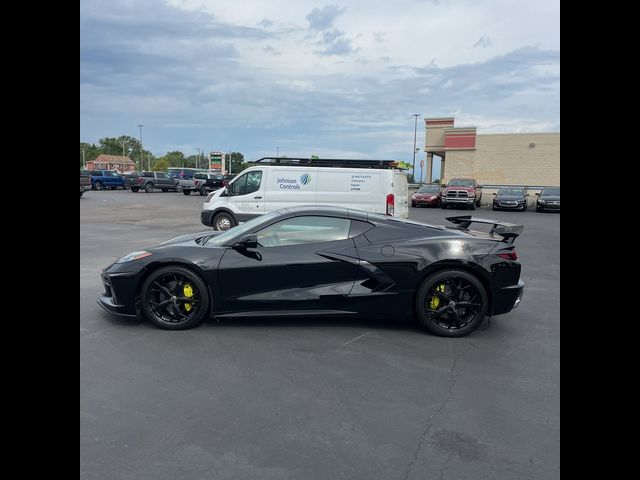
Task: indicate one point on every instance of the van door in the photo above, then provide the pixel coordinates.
(246, 195)
(401, 195)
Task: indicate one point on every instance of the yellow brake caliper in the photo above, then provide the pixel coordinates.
(188, 292)
(435, 300)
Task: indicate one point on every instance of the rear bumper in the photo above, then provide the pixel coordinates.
(507, 298)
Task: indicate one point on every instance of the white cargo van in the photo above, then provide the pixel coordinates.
(274, 183)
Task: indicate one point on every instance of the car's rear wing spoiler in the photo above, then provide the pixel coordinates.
(508, 231)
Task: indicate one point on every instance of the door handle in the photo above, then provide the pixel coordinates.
(257, 198)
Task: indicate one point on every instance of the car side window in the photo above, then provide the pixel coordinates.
(247, 183)
(161, 175)
(200, 176)
(301, 230)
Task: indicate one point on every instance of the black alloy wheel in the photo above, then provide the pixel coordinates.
(174, 298)
(451, 303)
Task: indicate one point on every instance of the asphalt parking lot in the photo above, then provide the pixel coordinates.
(313, 399)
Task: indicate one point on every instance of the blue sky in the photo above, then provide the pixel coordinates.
(335, 79)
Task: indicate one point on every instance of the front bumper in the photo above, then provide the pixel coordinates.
(459, 200)
(548, 206)
(206, 217)
(519, 206)
(109, 305)
(119, 293)
(507, 298)
(423, 201)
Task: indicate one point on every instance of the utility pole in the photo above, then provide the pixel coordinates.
(277, 152)
(415, 131)
(141, 159)
(84, 164)
(198, 157)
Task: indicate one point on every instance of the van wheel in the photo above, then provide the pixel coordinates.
(223, 221)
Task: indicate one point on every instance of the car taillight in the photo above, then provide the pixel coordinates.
(390, 204)
(512, 255)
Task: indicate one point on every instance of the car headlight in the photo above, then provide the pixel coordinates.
(134, 256)
(433, 198)
(542, 201)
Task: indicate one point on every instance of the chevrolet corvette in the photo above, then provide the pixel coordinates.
(317, 261)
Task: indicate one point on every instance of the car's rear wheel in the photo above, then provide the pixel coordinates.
(178, 188)
(148, 187)
(223, 221)
(135, 189)
(202, 191)
(186, 192)
(174, 298)
(97, 185)
(451, 303)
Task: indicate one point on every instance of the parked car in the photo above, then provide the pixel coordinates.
(372, 185)
(462, 192)
(182, 173)
(428, 195)
(202, 183)
(85, 181)
(548, 199)
(303, 262)
(511, 198)
(130, 178)
(101, 179)
(148, 181)
(227, 178)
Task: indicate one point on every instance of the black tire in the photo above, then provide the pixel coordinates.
(168, 283)
(98, 186)
(135, 189)
(223, 221)
(81, 192)
(493, 207)
(178, 188)
(202, 191)
(148, 188)
(538, 209)
(443, 206)
(442, 287)
(413, 204)
(165, 189)
(186, 192)
(473, 206)
(479, 202)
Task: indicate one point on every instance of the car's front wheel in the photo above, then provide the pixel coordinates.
(97, 186)
(223, 221)
(174, 298)
(451, 303)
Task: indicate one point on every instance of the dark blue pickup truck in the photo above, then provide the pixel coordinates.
(101, 179)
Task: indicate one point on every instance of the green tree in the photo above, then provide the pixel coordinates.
(237, 162)
(160, 165)
(315, 157)
(114, 146)
(91, 151)
(175, 158)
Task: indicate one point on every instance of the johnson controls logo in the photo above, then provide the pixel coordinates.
(293, 183)
(305, 178)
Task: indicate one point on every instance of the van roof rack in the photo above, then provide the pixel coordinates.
(327, 162)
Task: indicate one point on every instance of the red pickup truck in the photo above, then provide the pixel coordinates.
(461, 192)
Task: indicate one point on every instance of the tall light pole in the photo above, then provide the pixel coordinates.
(141, 159)
(123, 142)
(198, 157)
(415, 131)
(84, 164)
(277, 152)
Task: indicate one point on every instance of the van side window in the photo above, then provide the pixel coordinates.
(247, 183)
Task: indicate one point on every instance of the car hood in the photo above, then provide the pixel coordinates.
(190, 238)
(510, 198)
(550, 198)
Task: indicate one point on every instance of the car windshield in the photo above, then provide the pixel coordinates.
(241, 229)
(461, 183)
(429, 189)
(511, 191)
(550, 191)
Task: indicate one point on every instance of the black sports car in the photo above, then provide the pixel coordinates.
(311, 260)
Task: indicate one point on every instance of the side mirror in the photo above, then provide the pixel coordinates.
(246, 242)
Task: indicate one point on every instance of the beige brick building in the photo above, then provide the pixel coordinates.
(529, 159)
